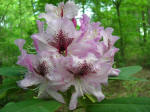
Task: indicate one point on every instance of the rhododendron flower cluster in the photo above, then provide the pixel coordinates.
(68, 57)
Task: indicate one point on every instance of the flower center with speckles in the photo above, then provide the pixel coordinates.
(41, 69)
(61, 43)
(83, 70)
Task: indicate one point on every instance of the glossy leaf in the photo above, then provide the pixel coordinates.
(32, 106)
(121, 105)
(8, 84)
(12, 71)
(127, 73)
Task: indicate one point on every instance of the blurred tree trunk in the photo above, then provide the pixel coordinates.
(5, 12)
(20, 12)
(148, 21)
(96, 9)
(144, 26)
(83, 6)
(33, 10)
(1, 78)
(2, 18)
(117, 4)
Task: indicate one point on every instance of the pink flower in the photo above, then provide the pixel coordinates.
(86, 75)
(68, 10)
(91, 31)
(39, 70)
(109, 39)
(57, 38)
(63, 40)
(67, 56)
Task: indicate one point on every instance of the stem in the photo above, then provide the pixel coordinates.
(68, 95)
(20, 12)
(144, 27)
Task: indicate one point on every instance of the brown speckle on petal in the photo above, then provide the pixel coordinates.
(83, 70)
(41, 69)
(61, 43)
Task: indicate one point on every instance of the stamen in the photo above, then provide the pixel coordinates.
(80, 87)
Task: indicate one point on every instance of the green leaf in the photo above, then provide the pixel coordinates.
(31, 106)
(8, 84)
(121, 105)
(5, 88)
(12, 71)
(127, 72)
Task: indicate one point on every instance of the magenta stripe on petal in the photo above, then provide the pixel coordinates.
(29, 63)
(40, 26)
(36, 45)
(74, 22)
(35, 41)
